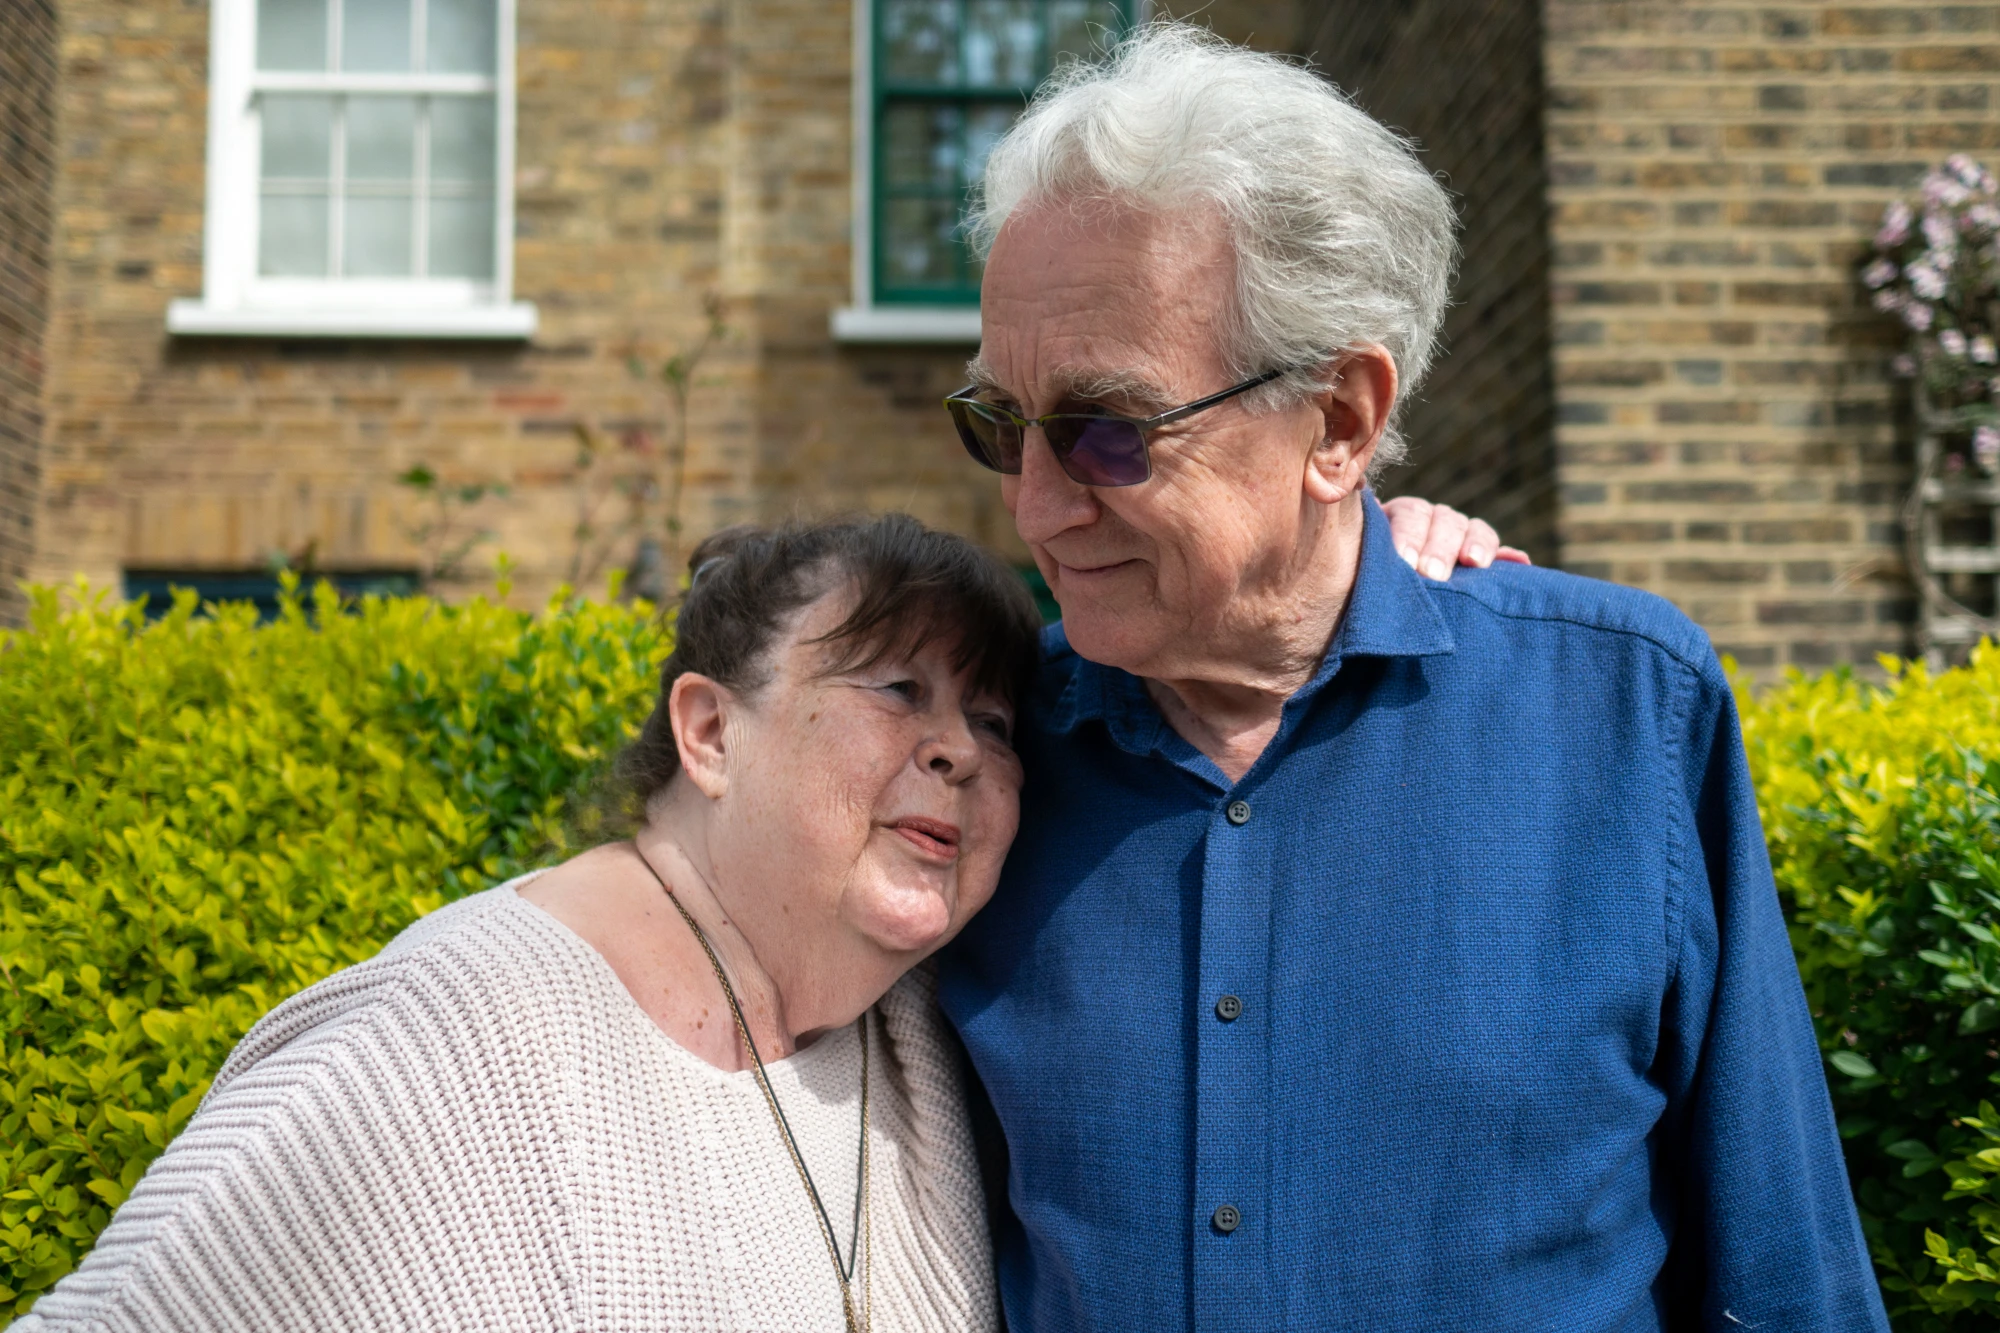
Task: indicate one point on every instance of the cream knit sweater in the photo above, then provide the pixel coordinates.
(479, 1129)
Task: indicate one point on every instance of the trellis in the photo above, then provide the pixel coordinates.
(1951, 524)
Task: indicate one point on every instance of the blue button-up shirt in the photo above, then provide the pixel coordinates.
(1520, 1044)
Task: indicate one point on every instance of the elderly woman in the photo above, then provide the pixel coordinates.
(686, 1081)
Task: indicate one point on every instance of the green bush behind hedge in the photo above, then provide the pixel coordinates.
(1881, 806)
(201, 815)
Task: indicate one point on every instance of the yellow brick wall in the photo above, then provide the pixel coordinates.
(668, 150)
(1728, 435)
(27, 177)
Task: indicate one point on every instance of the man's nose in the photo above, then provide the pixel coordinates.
(1043, 499)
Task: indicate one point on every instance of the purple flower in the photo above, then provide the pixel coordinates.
(1895, 225)
(1967, 171)
(1943, 190)
(1880, 273)
(1918, 315)
(1952, 342)
(1986, 447)
(1984, 216)
(1888, 300)
(1939, 231)
(1904, 365)
(1926, 281)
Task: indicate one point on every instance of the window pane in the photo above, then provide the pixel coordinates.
(291, 34)
(920, 244)
(375, 36)
(1002, 44)
(381, 138)
(920, 41)
(921, 145)
(984, 126)
(291, 241)
(460, 37)
(462, 139)
(298, 136)
(461, 240)
(376, 236)
(1078, 27)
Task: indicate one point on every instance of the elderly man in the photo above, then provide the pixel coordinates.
(1378, 953)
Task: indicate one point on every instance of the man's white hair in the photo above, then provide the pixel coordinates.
(1342, 239)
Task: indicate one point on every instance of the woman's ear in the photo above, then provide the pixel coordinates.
(1353, 415)
(699, 708)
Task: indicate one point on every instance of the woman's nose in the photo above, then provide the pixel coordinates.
(952, 753)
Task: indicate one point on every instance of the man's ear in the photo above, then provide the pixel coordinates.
(1353, 415)
(699, 708)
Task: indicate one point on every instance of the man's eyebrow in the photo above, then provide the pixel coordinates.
(1079, 382)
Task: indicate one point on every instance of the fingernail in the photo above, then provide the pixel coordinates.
(1409, 554)
(1434, 568)
(1480, 556)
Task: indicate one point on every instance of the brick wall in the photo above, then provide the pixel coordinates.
(1464, 78)
(1727, 434)
(668, 150)
(27, 177)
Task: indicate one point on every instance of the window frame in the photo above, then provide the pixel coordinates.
(236, 300)
(879, 315)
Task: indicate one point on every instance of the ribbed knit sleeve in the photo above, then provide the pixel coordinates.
(333, 1178)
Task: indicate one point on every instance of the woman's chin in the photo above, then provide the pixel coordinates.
(902, 918)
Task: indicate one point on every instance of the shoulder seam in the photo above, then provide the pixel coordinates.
(1693, 663)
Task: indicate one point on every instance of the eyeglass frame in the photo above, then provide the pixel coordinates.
(1144, 425)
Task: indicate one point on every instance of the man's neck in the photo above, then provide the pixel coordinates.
(1228, 701)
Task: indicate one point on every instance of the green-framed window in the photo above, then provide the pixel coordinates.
(950, 76)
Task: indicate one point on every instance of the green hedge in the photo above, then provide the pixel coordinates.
(201, 815)
(1882, 809)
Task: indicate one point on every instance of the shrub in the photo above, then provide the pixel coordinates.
(201, 815)
(1882, 809)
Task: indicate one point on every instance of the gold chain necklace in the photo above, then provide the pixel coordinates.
(864, 1222)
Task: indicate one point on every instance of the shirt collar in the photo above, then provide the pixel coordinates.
(1389, 614)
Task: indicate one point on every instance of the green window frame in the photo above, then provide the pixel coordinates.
(949, 77)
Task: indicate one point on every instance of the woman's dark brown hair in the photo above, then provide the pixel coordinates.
(912, 586)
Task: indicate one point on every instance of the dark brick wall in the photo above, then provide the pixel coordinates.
(27, 182)
(1464, 79)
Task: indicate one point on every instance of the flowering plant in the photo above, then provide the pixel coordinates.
(1936, 266)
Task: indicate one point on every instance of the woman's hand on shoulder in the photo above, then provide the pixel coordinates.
(1434, 537)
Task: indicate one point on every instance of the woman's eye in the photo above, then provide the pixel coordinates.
(996, 726)
(907, 689)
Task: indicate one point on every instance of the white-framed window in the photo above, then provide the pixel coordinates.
(360, 168)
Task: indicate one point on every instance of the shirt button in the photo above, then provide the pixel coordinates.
(1227, 1219)
(1229, 1008)
(1238, 812)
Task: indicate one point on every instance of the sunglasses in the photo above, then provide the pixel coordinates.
(1093, 448)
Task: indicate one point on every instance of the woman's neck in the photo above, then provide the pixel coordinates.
(794, 980)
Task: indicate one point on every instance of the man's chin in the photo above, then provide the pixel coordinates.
(1108, 635)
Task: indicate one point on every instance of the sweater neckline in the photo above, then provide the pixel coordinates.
(789, 1071)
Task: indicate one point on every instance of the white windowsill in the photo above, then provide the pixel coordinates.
(195, 318)
(906, 324)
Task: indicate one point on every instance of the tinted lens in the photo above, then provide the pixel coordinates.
(1099, 451)
(993, 442)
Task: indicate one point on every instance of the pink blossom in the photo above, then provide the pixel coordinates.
(1986, 446)
(1926, 281)
(1880, 273)
(1952, 342)
(1941, 189)
(1904, 365)
(1888, 300)
(1896, 221)
(1984, 216)
(1939, 231)
(1918, 316)
(1963, 167)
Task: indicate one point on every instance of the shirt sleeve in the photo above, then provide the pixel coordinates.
(1765, 1231)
